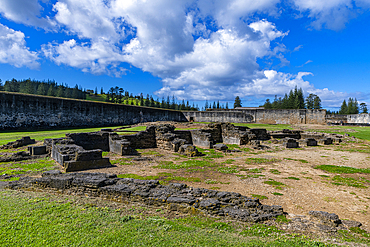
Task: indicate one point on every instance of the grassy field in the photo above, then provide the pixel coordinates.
(35, 219)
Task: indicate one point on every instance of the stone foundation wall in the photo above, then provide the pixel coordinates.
(31, 111)
(264, 116)
(176, 196)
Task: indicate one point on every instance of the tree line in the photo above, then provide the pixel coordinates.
(121, 96)
(294, 100)
(352, 107)
(115, 94)
(48, 88)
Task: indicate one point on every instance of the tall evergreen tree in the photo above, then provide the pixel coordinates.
(51, 91)
(237, 102)
(343, 108)
(291, 100)
(41, 89)
(60, 91)
(267, 104)
(317, 102)
(75, 92)
(363, 108)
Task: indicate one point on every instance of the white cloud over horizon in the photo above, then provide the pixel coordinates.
(205, 49)
(13, 49)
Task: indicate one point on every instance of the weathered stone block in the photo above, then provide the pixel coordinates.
(351, 223)
(291, 143)
(37, 150)
(71, 166)
(189, 150)
(120, 146)
(202, 139)
(326, 141)
(326, 218)
(220, 147)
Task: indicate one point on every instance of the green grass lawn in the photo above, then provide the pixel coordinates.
(360, 132)
(32, 219)
(40, 135)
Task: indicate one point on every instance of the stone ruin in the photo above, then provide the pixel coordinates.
(176, 197)
(24, 141)
(82, 151)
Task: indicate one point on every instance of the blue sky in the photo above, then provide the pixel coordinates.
(196, 50)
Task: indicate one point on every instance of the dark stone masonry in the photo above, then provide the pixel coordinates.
(33, 111)
(176, 196)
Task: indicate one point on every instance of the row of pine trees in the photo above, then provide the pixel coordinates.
(48, 88)
(294, 100)
(115, 94)
(352, 107)
(120, 96)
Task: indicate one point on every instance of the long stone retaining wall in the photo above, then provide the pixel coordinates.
(264, 116)
(33, 111)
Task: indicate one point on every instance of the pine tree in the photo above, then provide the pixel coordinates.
(51, 91)
(227, 105)
(60, 91)
(356, 108)
(363, 108)
(75, 93)
(291, 99)
(343, 108)
(41, 89)
(238, 102)
(317, 102)
(206, 105)
(267, 104)
(351, 106)
(310, 101)
(300, 99)
(163, 104)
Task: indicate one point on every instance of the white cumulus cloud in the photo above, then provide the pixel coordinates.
(204, 49)
(13, 49)
(26, 12)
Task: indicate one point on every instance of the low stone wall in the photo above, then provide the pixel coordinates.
(358, 119)
(176, 196)
(92, 140)
(32, 111)
(219, 116)
(264, 116)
